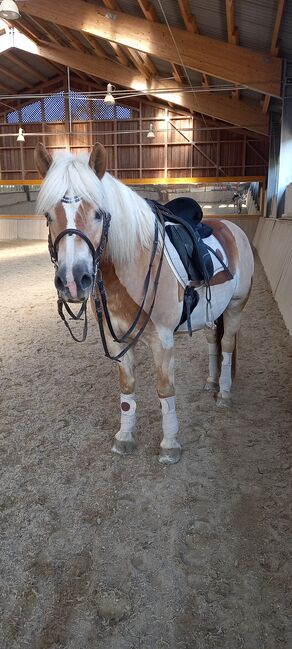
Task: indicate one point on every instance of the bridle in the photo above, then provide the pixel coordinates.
(98, 290)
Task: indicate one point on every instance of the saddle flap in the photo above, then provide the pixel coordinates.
(193, 252)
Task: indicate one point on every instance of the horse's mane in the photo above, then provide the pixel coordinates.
(132, 221)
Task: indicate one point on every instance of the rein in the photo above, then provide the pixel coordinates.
(100, 299)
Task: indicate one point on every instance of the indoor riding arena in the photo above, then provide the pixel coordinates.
(176, 121)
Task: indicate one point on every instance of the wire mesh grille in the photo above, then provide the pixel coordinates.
(55, 107)
(31, 113)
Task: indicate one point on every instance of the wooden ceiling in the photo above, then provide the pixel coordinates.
(103, 43)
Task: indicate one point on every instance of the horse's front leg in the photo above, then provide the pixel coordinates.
(124, 442)
(163, 353)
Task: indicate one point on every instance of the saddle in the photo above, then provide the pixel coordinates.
(184, 227)
(183, 218)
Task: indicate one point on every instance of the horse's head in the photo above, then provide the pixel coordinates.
(72, 198)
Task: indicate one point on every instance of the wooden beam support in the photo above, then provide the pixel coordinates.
(12, 75)
(214, 104)
(16, 60)
(232, 31)
(145, 66)
(191, 26)
(274, 44)
(188, 18)
(232, 63)
(277, 26)
(150, 14)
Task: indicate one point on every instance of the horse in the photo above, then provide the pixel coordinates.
(77, 195)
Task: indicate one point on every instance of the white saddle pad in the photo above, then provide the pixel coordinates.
(177, 266)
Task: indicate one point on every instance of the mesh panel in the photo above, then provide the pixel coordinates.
(83, 109)
(80, 107)
(122, 112)
(54, 108)
(32, 113)
(13, 118)
(101, 111)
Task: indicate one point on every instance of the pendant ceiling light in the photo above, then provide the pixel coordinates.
(109, 99)
(151, 133)
(20, 137)
(9, 10)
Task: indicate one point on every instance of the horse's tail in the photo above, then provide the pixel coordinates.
(219, 336)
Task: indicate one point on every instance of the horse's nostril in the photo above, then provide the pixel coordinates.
(85, 281)
(58, 283)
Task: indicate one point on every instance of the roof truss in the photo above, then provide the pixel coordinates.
(226, 61)
(216, 104)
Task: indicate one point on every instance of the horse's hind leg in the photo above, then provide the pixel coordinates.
(231, 318)
(163, 353)
(212, 383)
(124, 442)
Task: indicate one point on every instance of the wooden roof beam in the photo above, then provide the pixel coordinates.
(214, 104)
(12, 75)
(232, 63)
(22, 64)
(274, 44)
(232, 31)
(191, 26)
(150, 14)
(188, 18)
(144, 65)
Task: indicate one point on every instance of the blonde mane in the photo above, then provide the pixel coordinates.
(132, 220)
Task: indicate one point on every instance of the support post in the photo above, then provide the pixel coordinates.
(285, 163)
(274, 161)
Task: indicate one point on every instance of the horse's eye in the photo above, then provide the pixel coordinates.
(97, 216)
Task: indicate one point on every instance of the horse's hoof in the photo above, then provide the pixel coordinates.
(123, 448)
(169, 455)
(223, 402)
(211, 386)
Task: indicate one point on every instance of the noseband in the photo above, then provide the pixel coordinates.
(100, 299)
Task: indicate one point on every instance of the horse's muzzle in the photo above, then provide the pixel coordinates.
(78, 287)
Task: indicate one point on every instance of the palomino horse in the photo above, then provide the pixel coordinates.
(77, 196)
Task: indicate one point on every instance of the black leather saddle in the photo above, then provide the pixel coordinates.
(186, 232)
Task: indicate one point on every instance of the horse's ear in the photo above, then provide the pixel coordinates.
(43, 159)
(97, 160)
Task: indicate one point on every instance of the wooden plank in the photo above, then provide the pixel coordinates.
(274, 43)
(213, 104)
(191, 26)
(188, 180)
(150, 14)
(232, 31)
(226, 61)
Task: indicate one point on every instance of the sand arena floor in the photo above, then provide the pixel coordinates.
(102, 552)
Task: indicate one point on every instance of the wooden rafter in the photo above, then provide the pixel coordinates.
(274, 44)
(6, 88)
(55, 33)
(68, 38)
(25, 66)
(191, 26)
(232, 63)
(150, 14)
(12, 75)
(142, 63)
(213, 104)
(26, 31)
(232, 31)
